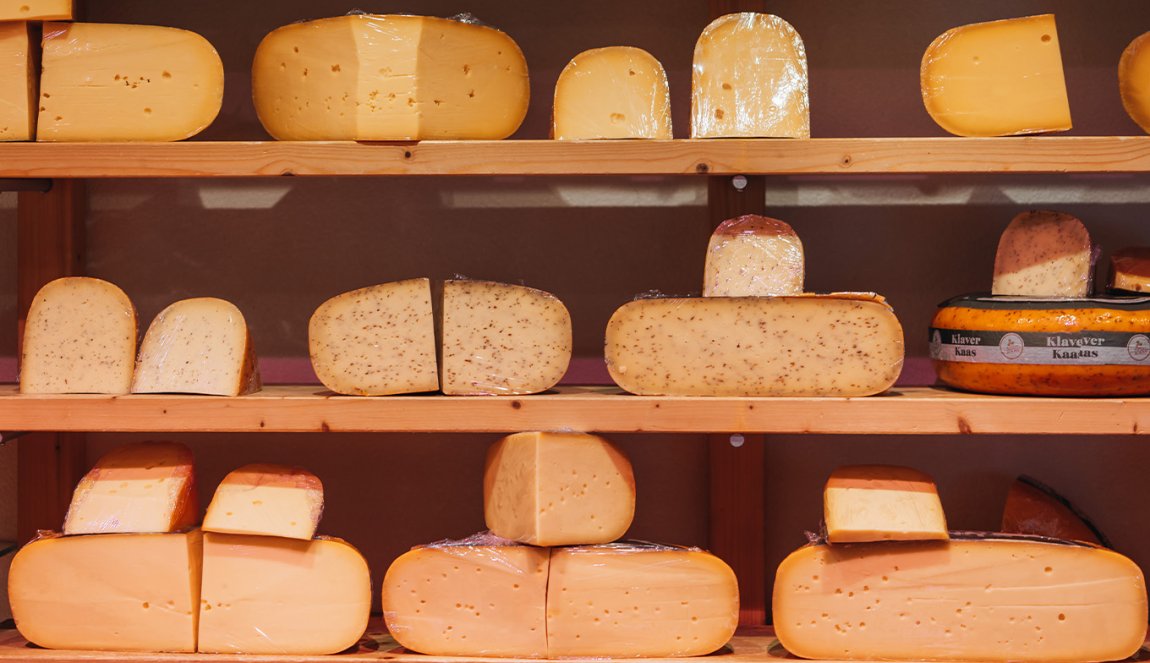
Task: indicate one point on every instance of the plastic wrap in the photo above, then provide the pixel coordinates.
(754, 256)
(17, 82)
(1130, 270)
(1134, 80)
(613, 92)
(267, 500)
(1044, 254)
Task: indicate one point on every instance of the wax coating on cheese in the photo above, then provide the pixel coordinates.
(612, 92)
(1130, 270)
(17, 82)
(1034, 508)
(754, 256)
(267, 500)
(1134, 80)
(1044, 254)
(35, 10)
(882, 503)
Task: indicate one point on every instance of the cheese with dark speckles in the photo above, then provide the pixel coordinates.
(753, 256)
(1044, 254)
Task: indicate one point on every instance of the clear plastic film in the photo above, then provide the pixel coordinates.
(1045, 254)
(1130, 270)
(266, 499)
(754, 256)
(1134, 80)
(613, 92)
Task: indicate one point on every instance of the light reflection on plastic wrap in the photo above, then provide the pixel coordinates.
(613, 92)
(753, 256)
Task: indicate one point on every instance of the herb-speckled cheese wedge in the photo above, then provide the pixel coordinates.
(753, 256)
(1044, 254)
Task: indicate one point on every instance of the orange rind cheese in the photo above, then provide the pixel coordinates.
(882, 503)
(1134, 80)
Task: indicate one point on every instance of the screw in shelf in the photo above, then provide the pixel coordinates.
(739, 182)
(737, 440)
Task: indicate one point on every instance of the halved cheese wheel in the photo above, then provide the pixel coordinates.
(612, 92)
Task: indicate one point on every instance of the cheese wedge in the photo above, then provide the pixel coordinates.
(1134, 80)
(750, 80)
(267, 500)
(268, 595)
(114, 592)
(79, 337)
(613, 92)
(1034, 508)
(1130, 270)
(962, 600)
(882, 503)
(1044, 254)
(1000, 78)
(17, 82)
(820, 345)
(754, 256)
(376, 341)
(389, 77)
(35, 10)
(106, 82)
(558, 489)
(502, 339)
(197, 346)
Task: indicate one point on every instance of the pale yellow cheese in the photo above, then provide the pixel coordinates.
(1044, 254)
(754, 256)
(1134, 80)
(558, 489)
(108, 592)
(107, 82)
(1130, 269)
(79, 337)
(882, 503)
(269, 595)
(999, 78)
(750, 80)
(35, 10)
(612, 92)
(268, 500)
(17, 82)
(389, 77)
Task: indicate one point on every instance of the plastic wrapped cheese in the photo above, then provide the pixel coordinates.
(265, 499)
(1044, 254)
(17, 82)
(612, 92)
(1134, 80)
(1130, 270)
(754, 256)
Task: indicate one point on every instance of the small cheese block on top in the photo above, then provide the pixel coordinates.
(35, 10)
(107, 82)
(1044, 254)
(1134, 80)
(267, 500)
(1130, 270)
(612, 92)
(501, 339)
(113, 592)
(882, 503)
(754, 256)
(558, 489)
(1034, 508)
(17, 82)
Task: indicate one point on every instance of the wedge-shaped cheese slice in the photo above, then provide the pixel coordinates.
(1034, 508)
(1134, 80)
(267, 500)
(821, 345)
(35, 10)
(973, 600)
(502, 339)
(882, 503)
(268, 595)
(613, 92)
(371, 77)
(79, 337)
(113, 592)
(1044, 254)
(17, 82)
(558, 489)
(754, 256)
(106, 82)
(376, 341)
(750, 80)
(1130, 269)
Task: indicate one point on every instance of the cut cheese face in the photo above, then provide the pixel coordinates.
(558, 489)
(106, 82)
(1000, 78)
(35, 10)
(268, 595)
(79, 338)
(1044, 254)
(389, 77)
(1130, 270)
(1134, 80)
(882, 503)
(750, 80)
(962, 600)
(502, 339)
(267, 500)
(115, 592)
(376, 341)
(1032, 508)
(613, 92)
(754, 256)
(197, 346)
(17, 82)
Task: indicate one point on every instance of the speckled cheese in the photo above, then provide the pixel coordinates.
(1044, 254)
(35, 10)
(17, 82)
(1134, 80)
(612, 92)
(80, 337)
(820, 345)
(1130, 270)
(376, 341)
(502, 339)
(882, 503)
(267, 500)
(754, 256)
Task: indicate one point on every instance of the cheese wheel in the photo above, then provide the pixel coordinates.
(1134, 80)
(612, 92)
(17, 82)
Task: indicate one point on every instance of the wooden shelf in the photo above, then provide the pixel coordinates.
(820, 156)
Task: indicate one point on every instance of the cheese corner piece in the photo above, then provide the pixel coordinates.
(628, 600)
(1033, 508)
(962, 600)
(1130, 270)
(750, 80)
(1000, 78)
(269, 595)
(114, 592)
(267, 500)
(35, 10)
(1134, 80)
(882, 503)
(1044, 254)
(79, 338)
(502, 339)
(376, 341)
(389, 77)
(754, 256)
(107, 82)
(17, 82)
(613, 92)
(469, 600)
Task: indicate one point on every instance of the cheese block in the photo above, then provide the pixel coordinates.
(1130, 270)
(613, 92)
(639, 600)
(197, 346)
(502, 339)
(109, 592)
(267, 500)
(821, 345)
(962, 600)
(1035, 508)
(79, 337)
(17, 82)
(1134, 80)
(477, 597)
(754, 256)
(1000, 78)
(558, 489)
(269, 595)
(749, 80)
(389, 77)
(35, 10)
(376, 341)
(882, 503)
(106, 82)
(1044, 254)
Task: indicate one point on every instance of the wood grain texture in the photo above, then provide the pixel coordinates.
(737, 520)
